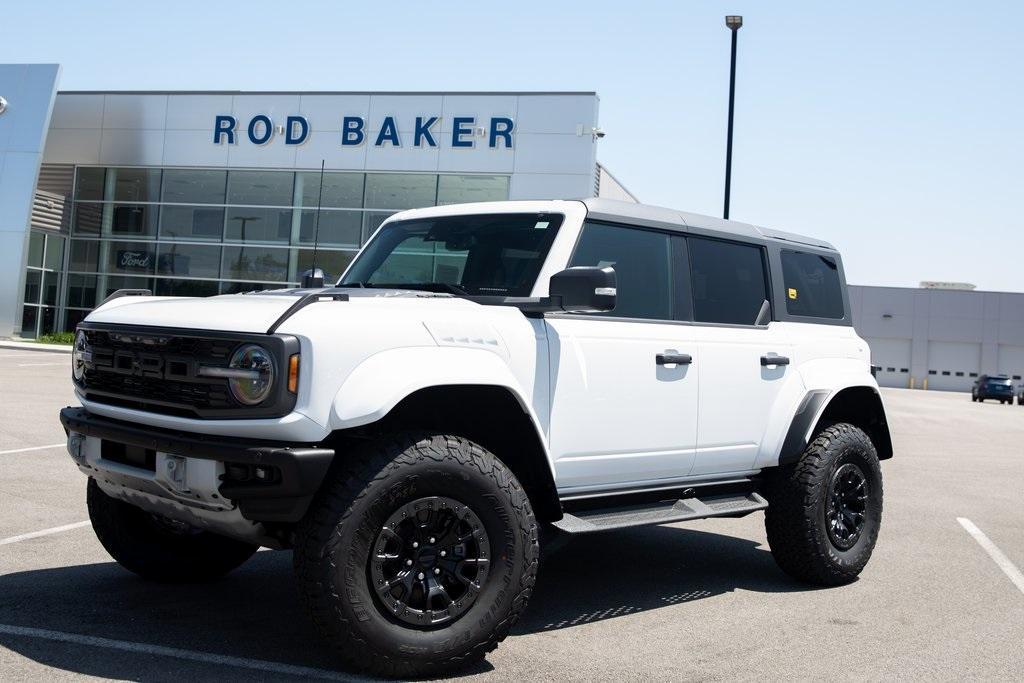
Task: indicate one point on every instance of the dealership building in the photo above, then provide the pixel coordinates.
(200, 193)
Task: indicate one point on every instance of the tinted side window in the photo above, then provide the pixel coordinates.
(728, 281)
(642, 260)
(812, 285)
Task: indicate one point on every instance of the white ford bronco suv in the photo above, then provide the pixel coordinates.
(482, 377)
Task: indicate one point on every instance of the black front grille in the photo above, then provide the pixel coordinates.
(157, 370)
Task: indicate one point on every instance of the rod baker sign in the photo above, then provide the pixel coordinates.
(423, 131)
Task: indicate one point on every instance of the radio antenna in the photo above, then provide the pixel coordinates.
(314, 277)
(319, 199)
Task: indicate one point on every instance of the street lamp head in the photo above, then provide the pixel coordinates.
(734, 21)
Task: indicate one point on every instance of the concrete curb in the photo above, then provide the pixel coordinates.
(33, 346)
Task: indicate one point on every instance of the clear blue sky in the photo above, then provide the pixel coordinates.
(893, 130)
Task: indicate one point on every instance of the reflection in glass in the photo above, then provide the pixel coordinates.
(85, 255)
(340, 189)
(131, 257)
(87, 219)
(134, 221)
(81, 291)
(116, 282)
(372, 221)
(167, 287)
(136, 184)
(248, 224)
(54, 252)
(189, 260)
(194, 187)
(263, 188)
(72, 318)
(255, 263)
(29, 320)
(51, 285)
(89, 184)
(332, 262)
(191, 222)
(35, 249)
(400, 190)
(33, 278)
(459, 189)
(338, 228)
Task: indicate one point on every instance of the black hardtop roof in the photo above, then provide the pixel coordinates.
(671, 219)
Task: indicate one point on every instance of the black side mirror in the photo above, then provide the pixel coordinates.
(313, 279)
(584, 289)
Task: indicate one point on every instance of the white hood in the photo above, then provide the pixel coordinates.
(228, 313)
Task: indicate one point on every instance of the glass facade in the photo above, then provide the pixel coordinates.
(199, 232)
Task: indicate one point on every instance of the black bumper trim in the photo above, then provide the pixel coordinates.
(302, 467)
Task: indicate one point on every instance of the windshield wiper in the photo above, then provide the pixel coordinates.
(441, 287)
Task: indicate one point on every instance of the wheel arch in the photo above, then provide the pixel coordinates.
(491, 415)
(859, 405)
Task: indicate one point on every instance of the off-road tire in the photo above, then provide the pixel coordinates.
(795, 519)
(335, 539)
(157, 551)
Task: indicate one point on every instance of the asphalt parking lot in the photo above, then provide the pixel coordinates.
(700, 600)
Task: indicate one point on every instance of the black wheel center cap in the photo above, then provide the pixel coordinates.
(427, 557)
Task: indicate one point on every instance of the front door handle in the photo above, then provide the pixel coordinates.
(672, 358)
(774, 360)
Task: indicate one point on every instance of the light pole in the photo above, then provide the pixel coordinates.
(733, 22)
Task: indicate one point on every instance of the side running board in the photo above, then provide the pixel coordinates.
(661, 512)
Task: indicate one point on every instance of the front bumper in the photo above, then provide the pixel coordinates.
(297, 470)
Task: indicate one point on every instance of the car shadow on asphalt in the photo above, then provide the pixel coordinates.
(255, 613)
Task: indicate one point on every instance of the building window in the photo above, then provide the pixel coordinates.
(43, 275)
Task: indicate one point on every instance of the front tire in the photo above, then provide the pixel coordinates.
(159, 549)
(418, 555)
(824, 512)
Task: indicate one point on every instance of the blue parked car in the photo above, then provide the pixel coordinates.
(999, 387)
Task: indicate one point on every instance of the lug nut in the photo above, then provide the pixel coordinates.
(415, 544)
(443, 553)
(420, 576)
(432, 539)
(408, 563)
(436, 570)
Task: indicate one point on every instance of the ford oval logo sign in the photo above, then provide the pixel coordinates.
(3, 105)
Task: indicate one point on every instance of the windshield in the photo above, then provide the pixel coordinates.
(482, 255)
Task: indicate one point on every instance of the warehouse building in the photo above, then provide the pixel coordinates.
(934, 338)
(199, 193)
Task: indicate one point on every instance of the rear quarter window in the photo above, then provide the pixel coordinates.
(812, 286)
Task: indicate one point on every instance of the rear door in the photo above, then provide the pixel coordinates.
(742, 365)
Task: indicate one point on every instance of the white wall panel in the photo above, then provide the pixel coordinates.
(244, 107)
(325, 112)
(193, 148)
(196, 112)
(132, 147)
(407, 157)
(73, 146)
(405, 109)
(77, 111)
(483, 107)
(145, 112)
(556, 113)
(550, 186)
(1011, 360)
(554, 154)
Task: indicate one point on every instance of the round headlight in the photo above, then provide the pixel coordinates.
(81, 354)
(255, 387)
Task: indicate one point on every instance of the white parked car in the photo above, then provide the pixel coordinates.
(483, 376)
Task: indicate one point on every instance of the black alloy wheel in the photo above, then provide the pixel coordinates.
(846, 509)
(430, 561)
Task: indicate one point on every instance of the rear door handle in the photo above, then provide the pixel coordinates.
(774, 360)
(670, 358)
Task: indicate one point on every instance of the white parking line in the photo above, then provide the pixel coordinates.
(38, 365)
(189, 655)
(32, 448)
(1001, 560)
(44, 532)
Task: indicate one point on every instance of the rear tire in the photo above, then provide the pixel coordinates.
(824, 512)
(159, 549)
(399, 503)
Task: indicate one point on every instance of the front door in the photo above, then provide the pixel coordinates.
(624, 384)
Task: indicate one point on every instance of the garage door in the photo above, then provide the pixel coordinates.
(1011, 361)
(893, 357)
(950, 365)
